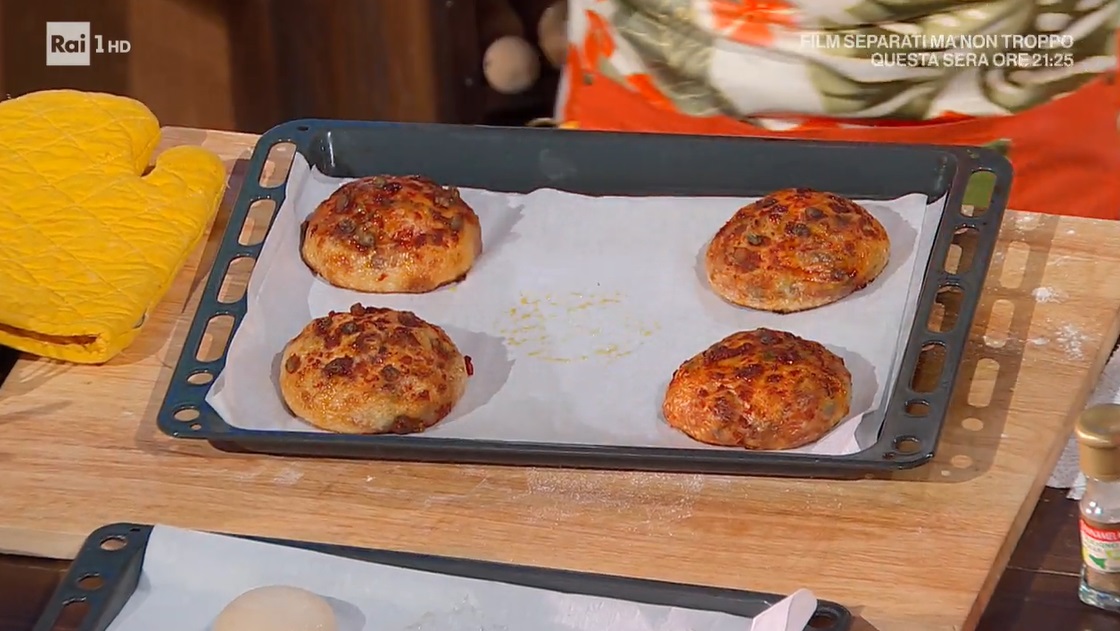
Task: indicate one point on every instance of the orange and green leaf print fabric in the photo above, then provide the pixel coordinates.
(1035, 77)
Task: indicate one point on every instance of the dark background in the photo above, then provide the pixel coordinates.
(247, 65)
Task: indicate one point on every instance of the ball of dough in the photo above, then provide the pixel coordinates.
(759, 389)
(276, 608)
(372, 371)
(510, 65)
(392, 234)
(796, 249)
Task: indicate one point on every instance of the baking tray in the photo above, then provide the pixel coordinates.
(107, 571)
(600, 163)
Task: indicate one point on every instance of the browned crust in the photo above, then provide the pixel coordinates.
(372, 371)
(796, 249)
(760, 389)
(392, 234)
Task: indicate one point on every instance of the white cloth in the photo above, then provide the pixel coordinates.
(1066, 474)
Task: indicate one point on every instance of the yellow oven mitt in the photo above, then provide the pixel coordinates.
(89, 243)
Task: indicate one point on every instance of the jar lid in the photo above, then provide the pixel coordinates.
(1098, 440)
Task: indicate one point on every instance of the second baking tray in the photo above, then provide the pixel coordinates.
(915, 401)
(108, 569)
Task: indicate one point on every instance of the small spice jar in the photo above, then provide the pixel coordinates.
(1098, 438)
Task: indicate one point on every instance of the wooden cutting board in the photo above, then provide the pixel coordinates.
(79, 449)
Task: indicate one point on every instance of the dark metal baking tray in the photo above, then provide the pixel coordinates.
(599, 163)
(107, 571)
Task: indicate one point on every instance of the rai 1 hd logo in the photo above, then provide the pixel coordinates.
(72, 44)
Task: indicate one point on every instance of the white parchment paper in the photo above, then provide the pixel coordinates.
(576, 315)
(188, 577)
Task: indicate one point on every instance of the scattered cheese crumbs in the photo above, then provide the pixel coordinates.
(289, 476)
(994, 341)
(1045, 294)
(527, 327)
(1072, 341)
(1026, 221)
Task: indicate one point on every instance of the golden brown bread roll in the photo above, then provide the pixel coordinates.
(392, 234)
(796, 249)
(372, 371)
(759, 389)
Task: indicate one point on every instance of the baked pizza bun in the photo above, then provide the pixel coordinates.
(372, 371)
(759, 389)
(796, 249)
(392, 234)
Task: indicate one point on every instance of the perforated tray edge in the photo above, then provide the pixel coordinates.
(920, 432)
(116, 573)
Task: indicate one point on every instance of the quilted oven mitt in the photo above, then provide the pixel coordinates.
(88, 242)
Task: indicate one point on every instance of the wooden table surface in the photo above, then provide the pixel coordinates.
(79, 448)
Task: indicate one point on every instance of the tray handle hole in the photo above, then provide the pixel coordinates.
(946, 309)
(303, 128)
(71, 616)
(276, 166)
(200, 378)
(90, 582)
(257, 221)
(215, 338)
(927, 371)
(186, 415)
(236, 280)
(917, 408)
(907, 445)
(822, 620)
(978, 193)
(113, 543)
(962, 250)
